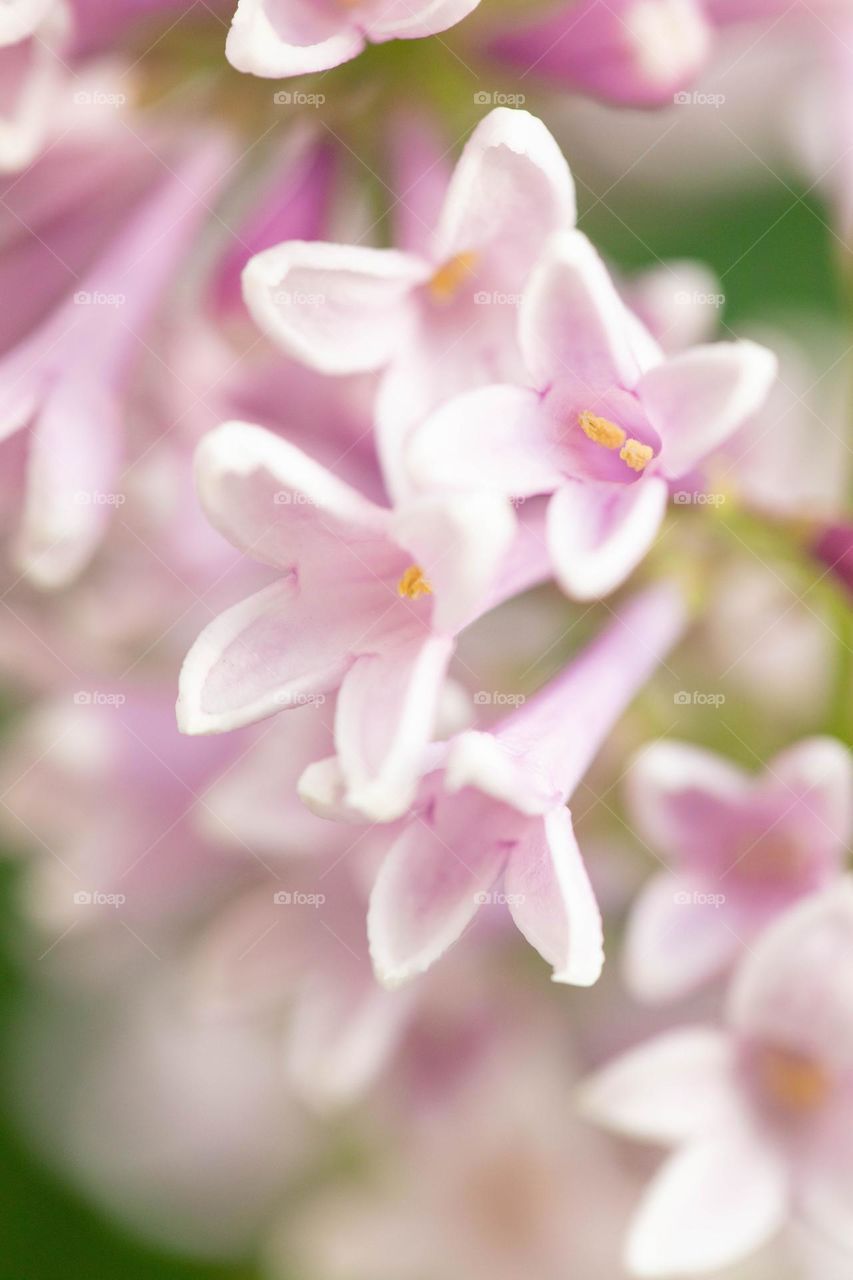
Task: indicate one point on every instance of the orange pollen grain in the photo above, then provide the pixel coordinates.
(798, 1082)
(413, 583)
(450, 276)
(601, 431)
(635, 455)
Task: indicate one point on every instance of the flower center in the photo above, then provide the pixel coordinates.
(413, 583)
(774, 857)
(450, 276)
(797, 1082)
(602, 431)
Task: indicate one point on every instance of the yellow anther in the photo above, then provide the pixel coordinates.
(450, 277)
(413, 583)
(635, 455)
(601, 431)
(797, 1082)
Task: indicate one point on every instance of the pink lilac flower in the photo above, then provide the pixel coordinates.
(178, 1127)
(489, 819)
(291, 37)
(759, 1110)
(369, 601)
(737, 849)
(834, 546)
(115, 738)
(292, 201)
(438, 319)
(605, 425)
(493, 1156)
(289, 946)
(638, 53)
(73, 408)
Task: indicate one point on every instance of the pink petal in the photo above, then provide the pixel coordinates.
(599, 534)
(72, 481)
(431, 884)
(405, 20)
(709, 1206)
(630, 52)
(678, 937)
(495, 438)
(482, 761)
(565, 723)
(280, 648)
(510, 190)
(342, 1032)
(795, 987)
(338, 308)
(683, 1084)
(385, 717)
(420, 173)
(281, 507)
(461, 544)
(254, 802)
(20, 18)
(552, 902)
(290, 37)
(814, 784)
(697, 399)
(251, 957)
(687, 804)
(573, 322)
(32, 75)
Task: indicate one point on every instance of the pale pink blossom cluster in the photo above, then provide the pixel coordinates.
(506, 604)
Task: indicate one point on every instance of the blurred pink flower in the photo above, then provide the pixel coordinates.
(760, 1109)
(291, 37)
(491, 812)
(834, 546)
(738, 850)
(495, 1177)
(607, 421)
(67, 380)
(634, 53)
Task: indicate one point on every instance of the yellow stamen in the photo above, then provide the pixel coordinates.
(601, 431)
(798, 1082)
(450, 276)
(772, 856)
(413, 583)
(636, 455)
